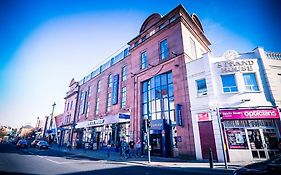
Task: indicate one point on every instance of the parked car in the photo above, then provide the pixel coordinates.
(42, 144)
(267, 167)
(34, 143)
(22, 143)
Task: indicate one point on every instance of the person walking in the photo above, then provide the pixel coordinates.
(124, 148)
(138, 145)
(132, 148)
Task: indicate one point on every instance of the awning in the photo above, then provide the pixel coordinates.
(111, 119)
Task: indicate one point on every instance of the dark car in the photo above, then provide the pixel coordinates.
(42, 145)
(34, 143)
(22, 143)
(268, 167)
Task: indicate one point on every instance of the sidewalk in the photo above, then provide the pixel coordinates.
(155, 160)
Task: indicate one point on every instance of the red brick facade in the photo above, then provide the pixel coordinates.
(174, 28)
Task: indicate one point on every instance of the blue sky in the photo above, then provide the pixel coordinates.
(43, 44)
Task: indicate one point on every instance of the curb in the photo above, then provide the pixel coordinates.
(154, 164)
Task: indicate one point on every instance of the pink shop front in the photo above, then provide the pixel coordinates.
(251, 133)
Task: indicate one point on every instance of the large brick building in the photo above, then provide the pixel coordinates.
(146, 80)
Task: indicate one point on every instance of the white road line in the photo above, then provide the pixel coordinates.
(64, 162)
(53, 161)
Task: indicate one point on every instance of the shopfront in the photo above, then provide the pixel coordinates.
(251, 133)
(105, 132)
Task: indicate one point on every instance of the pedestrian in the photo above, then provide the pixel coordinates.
(138, 145)
(132, 148)
(68, 145)
(124, 148)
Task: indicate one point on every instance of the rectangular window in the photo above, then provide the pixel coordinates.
(89, 91)
(87, 109)
(158, 97)
(201, 87)
(143, 60)
(97, 105)
(67, 106)
(71, 104)
(193, 49)
(229, 83)
(123, 103)
(110, 80)
(98, 86)
(108, 104)
(124, 73)
(250, 82)
(164, 51)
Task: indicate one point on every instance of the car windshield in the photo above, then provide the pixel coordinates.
(22, 141)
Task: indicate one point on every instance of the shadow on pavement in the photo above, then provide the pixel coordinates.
(11, 148)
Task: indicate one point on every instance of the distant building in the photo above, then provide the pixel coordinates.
(67, 119)
(238, 92)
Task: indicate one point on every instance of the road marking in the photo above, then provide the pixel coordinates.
(73, 161)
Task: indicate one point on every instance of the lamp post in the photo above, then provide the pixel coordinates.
(45, 127)
(52, 116)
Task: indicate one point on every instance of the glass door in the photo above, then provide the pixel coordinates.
(270, 142)
(256, 144)
(156, 145)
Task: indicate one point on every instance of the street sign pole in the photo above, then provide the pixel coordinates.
(147, 137)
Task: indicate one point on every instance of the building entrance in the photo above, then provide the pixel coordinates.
(262, 142)
(156, 144)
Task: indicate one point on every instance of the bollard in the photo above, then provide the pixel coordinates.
(211, 160)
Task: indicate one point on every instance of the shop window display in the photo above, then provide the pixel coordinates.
(236, 138)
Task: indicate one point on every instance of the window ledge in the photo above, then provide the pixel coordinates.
(202, 96)
(251, 91)
(237, 92)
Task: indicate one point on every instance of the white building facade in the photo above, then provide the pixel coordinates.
(235, 95)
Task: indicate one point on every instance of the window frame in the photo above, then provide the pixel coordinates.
(98, 86)
(165, 52)
(251, 86)
(141, 59)
(230, 86)
(123, 97)
(124, 73)
(109, 81)
(203, 93)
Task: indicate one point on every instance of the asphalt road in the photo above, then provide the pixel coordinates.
(35, 161)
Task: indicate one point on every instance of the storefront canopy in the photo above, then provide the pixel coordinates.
(117, 118)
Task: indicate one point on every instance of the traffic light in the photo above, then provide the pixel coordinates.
(148, 123)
